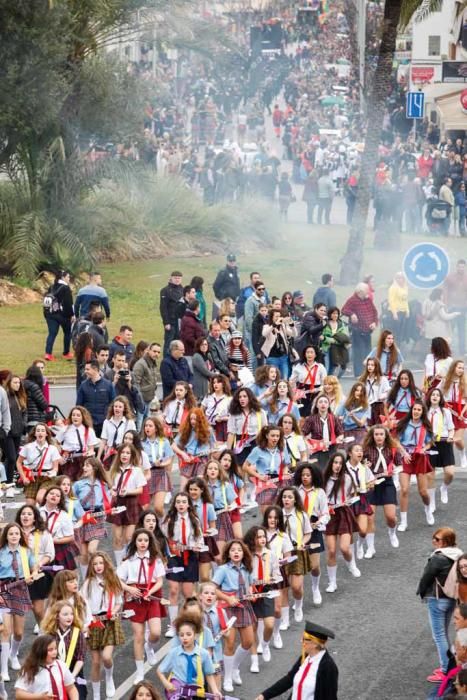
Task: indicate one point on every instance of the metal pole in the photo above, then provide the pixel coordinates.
(361, 41)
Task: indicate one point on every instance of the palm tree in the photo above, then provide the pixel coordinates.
(397, 15)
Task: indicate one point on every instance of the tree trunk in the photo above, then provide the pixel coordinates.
(352, 261)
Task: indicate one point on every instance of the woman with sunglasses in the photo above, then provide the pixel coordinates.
(430, 589)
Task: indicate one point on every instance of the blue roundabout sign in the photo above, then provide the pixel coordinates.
(426, 265)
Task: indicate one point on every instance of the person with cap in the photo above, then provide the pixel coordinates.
(227, 282)
(300, 307)
(169, 300)
(314, 676)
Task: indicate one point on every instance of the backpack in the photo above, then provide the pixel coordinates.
(51, 303)
(451, 586)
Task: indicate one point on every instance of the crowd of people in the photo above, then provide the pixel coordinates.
(253, 415)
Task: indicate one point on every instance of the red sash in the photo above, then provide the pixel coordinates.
(302, 681)
(311, 376)
(205, 518)
(421, 440)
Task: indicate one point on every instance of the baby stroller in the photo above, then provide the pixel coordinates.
(437, 215)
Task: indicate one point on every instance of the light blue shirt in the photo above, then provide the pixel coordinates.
(410, 436)
(77, 511)
(210, 512)
(176, 662)
(214, 623)
(155, 449)
(6, 559)
(226, 577)
(403, 402)
(348, 421)
(282, 406)
(384, 361)
(217, 494)
(83, 487)
(208, 639)
(194, 448)
(267, 461)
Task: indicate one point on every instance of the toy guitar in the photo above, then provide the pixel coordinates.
(248, 506)
(229, 509)
(211, 532)
(271, 483)
(267, 581)
(13, 504)
(229, 625)
(320, 445)
(20, 582)
(305, 547)
(186, 548)
(288, 560)
(89, 518)
(348, 502)
(175, 570)
(190, 690)
(255, 596)
(52, 567)
(382, 476)
(4, 487)
(144, 598)
(123, 614)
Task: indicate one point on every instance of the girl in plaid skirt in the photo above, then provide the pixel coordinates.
(93, 493)
(229, 464)
(279, 543)
(60, 526)
(127, 484)
(16, 564)
(193, 445)
(148, 520)
(77, 440)
(132, 437)
(268, 460)
(364, 481)
(355, 413)
(224, 498)
(201, 499)
(72, 504)
(160, 454)
(103, 592)
(119, 420)
(38, 463)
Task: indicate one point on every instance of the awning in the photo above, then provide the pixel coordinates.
(450, 112)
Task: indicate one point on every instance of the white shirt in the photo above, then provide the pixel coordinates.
(173, 412)
(114, 430)
(290, 520)
(438, 367)
(279, 542)
(32, 455)
(320, 506)
(134, 481)
(216, 407)
(59, 523)
(97, 597)
(68, 438)
(301, 372)
(45, 545)
(441, 422)
(130, 569)
(191, 539)
(341, 497)
(309, 684)
(377, 391)
(42, 682)
(238, 424)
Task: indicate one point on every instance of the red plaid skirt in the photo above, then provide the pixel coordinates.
(146, 609)
(377, 410)
(244, 612)
(362, 507)
(159, 481)
(420, 464)
(72, 467)
(17, 600)
(192, 469)
(130, 515)
(65, 555)
(208, 557)
(459, 423)
(358, 434)
(91, 532)
(144, 498)
(342, 522)
(40, 482)
(224, 527)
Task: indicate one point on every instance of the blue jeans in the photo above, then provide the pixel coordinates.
(141, 416)
(54, 324)
(282, 364)
(440, 612)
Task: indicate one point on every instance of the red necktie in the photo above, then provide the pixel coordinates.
(53, 683)
(302, 681)
(305, 502)
(14, 563)
(185, 554)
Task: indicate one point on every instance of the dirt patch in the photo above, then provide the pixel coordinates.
(12, 295)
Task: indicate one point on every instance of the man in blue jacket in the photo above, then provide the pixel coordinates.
(95, 394)
(175, 368)
(92, 292)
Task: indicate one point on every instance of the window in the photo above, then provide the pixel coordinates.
(434, 45)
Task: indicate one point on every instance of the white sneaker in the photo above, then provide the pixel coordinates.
(402, 527)
(332, 588)
(430, 518)
(444, 494)
(370, 553)
(11, 492)
(277, 641)
(283, 626)
(167, 499)
(259, 648)
(150, 655)
(266, 653)
(354, 570)
(254, 666)
(138, 679)
(298, 615)
(236, 677)
(317, 599)
(464, 461)
(14, 663)
(109, 688)
(36, 629)
(393, 539)
(228, 685)
(5, 677)
(360, 551)
(170, 632)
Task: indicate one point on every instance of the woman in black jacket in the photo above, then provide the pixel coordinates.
(18, 402)
(36, 402)
(58, 313)
(430, 589)
(257, 334)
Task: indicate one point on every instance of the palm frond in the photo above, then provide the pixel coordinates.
(418, 10)
(25, 245)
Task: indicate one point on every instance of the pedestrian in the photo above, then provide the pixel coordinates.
(37, 405)
(123, 342)
(355, 413)
(95, 394)
(217, 349)
(203, 368)
(268, 464)
(257, 338)
(174, 368)
(60, 525)
(363, 319)
(176, 406)
(38, 462)
(77, 440)
(92, 294)
(227, 282)
(398, 304)
(251, 308)
(310, 194)
(442, 424)
(326, 192)
(285, 196)
(460, 202)
(437, 362)
(169, 299)
(376, 388)
(223, 498)
(145, 379)
(43, 674)
(119, 419)
(454, 388)
(335, 343)
(388, 355)
(240, 361)
(436, 318)
(160, 454)
(98, 330)
(246, 418)
(323, 431)
(430, 589)
(18, 405)
(325, 294)
(277, 334)
(446, 195)
(140, 350)
(193, 444)
(191, 330)
(306, 379)
(84, 352)
(197, 284)
(197, 489)
(314, 676)
(59, 313)
(311, 328)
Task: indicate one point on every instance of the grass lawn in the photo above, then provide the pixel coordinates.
(133, 287)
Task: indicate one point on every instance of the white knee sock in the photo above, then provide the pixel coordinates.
(15, 645)
(260, 631)
(228, 668)
(285, 615)
(370, 539)
(298, 603)
(119, 554)
(332, 574)
(109, 672)
(352, 551)
(139, 667)
(96, 690)
(403, 517)
(362, 540)
(239, 656)
(83, 569)
(173, 612)
(146, 632)
(432, 495)
(315, 582)
(4, 657)
(277, 624)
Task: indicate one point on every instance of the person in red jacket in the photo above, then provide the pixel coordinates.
(191, 328)
(363, 319)
(277, 118)
(424, 164)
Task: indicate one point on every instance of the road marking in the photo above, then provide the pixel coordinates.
(127, 685)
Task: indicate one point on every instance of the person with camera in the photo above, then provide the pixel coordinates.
(312, 327)
(277, 334)
(124, 384)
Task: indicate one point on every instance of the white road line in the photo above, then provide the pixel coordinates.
(127, 685)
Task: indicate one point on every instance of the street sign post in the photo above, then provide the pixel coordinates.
(426, 265)
(415, 108)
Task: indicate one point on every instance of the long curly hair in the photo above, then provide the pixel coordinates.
(280, 524)
(37, 656)
(202, 428)
(262, 438)
(50, 622)
(127, 412)
(190, 399)
(85, 415)
(412, 388)
(352, 401)
(172, 513)
(369, 440)
(247, 558)
(59, 592)
(112, 583)
(450, 378)
(253, 403)
(275, 395)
